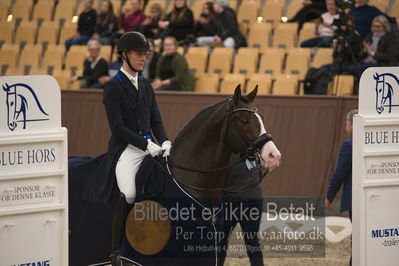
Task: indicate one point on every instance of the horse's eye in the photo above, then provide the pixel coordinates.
(12, 103)
(245, 121)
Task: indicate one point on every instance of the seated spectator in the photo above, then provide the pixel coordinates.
(113, 67)
(379, 47)
(116, 64)
(86, 25)
(172, 69)
(179, 23)
(205, 26)
(133, 19)
(324, 28)
(150, 27)
(228, 33)
(107, 24)
(150, 66)
(364, 14)
(94, 67)
(312, 9)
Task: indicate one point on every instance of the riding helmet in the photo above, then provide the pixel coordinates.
(133, 40)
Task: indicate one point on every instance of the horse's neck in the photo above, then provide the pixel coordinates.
(201, 148)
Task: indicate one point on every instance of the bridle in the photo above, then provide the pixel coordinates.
(251, 147)
(252, 150)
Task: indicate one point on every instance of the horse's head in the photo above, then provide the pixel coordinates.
(247, 131)
(379, 92)
(11, 102)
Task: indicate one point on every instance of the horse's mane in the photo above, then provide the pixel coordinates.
(203, 114)
(198, 117)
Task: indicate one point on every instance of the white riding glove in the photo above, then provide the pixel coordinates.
(166, 146)
(153, 148)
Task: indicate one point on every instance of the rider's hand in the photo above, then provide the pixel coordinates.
(166, 146)
(153, 148)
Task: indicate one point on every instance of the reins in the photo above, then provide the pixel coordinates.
(232, 189)
(208, 171)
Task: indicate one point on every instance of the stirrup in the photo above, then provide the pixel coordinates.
(116, 259)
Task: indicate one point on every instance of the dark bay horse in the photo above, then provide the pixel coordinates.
(208, 141)
(198, 165)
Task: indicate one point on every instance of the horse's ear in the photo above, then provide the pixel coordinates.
(251, 96)
(237, 94)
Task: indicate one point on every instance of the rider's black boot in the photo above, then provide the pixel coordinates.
(118, 229)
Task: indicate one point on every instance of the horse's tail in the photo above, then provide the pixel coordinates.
(34, 96)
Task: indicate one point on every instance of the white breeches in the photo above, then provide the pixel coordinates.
(126, 170)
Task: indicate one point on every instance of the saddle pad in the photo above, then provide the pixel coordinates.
(194, 233)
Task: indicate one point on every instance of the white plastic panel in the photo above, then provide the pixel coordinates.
(382, 225)
(43, 190)
(33, 237)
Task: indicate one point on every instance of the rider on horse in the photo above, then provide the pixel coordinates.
(132, 114)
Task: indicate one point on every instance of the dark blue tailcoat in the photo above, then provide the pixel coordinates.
(132, 114)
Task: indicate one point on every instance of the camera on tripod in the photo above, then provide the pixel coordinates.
(343, 17)
(344, 4)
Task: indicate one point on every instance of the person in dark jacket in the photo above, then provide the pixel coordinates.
(379, 47)
(248, 196)
(107, 24)
(227, 33)
(172, 72)
(86, 25)
(342, 176)
(94, 68)
(364, 14)
(205, 24)
(179, 23)
(133, 117)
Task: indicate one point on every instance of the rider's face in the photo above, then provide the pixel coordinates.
(137, 59)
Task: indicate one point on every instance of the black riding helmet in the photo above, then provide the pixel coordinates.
(132, 41)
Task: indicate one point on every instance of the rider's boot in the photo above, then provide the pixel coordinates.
(118, 229)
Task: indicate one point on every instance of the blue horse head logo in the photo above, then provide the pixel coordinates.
(18, 97)
(384, 88)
